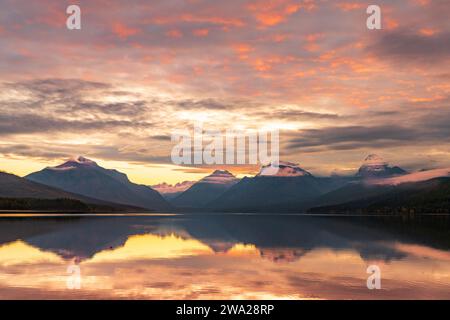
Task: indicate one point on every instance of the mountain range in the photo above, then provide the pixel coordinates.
(375, 167)
(278, 187)
(85, 177)
(271, 193)
(17, 193)
(171, 191)
(285, 187)
(206, 190)
(430, 196)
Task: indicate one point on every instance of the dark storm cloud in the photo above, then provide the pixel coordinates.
(109, 152)
(211, 104)
(32, 151)
(61, 105)
(130, 108)
(113, 152)
(296, 114)
(424, 127)
(70, 95)
(32, 123)
(62, 97)
(354, 134)
(161, 138)
(404, 46)
(55, 87)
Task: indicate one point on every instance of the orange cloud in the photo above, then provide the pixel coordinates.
(174, 34)
(122, 31)
(304, 74)
(312, 47)
(261, 65)
(191, 18)
(428, 32)
(242, 50)
(270, 13)
(230, 22)
(349, 6)
(426, 99)
(390, 23)
(311, 39)
(51, 16)
(201, 32)
(266, 64)
(421, 2)
(314, 37)
(279, 37)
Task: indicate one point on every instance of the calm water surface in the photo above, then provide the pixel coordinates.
(223, 257)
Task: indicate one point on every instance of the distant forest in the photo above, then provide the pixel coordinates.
(61, 205)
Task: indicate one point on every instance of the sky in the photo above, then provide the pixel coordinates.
(138, 71)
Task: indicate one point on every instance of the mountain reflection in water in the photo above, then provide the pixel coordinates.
(225, 256)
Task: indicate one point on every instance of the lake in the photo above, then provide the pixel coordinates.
(223, 257)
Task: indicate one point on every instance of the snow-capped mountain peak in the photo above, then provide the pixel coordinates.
(222, 173)
(83, 160)
(75, 162)
(84, 177)
(219, 177)
(283, 169)
(375, 166)
(374, 160)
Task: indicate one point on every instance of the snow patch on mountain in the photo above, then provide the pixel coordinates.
(283, 169)
(375, 166)
(164, 187)
(74, 163)
(375, 161)
(83, 160)
(220, 177)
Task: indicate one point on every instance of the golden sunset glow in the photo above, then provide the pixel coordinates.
(18, 252)
(153, 247)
